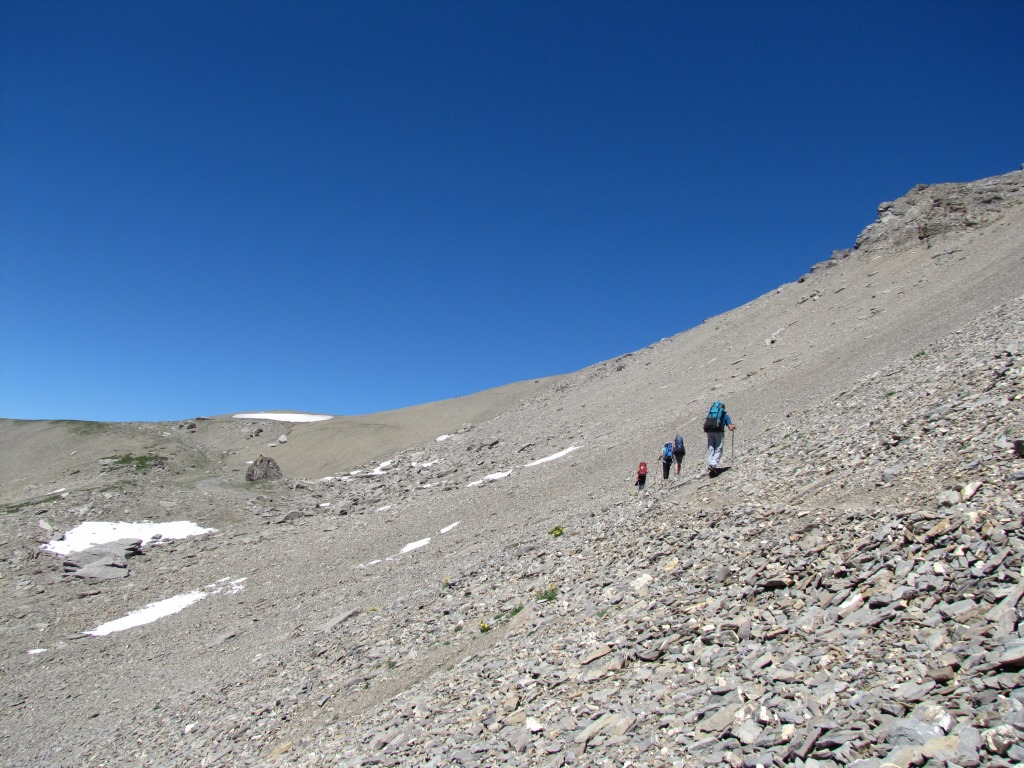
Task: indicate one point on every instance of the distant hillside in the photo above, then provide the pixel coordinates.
(44, 452)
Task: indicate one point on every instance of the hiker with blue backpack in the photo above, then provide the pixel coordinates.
(715, 424)
(678, 452)
(666, 460)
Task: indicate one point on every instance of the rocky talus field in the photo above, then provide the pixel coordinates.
(477, 582)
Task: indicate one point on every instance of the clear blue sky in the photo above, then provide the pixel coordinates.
(346, 207)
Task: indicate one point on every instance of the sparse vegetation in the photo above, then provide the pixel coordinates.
(505, 616)
(548, 594)
(11, 508)
(82, 427)
(138, 463)
(557, 531)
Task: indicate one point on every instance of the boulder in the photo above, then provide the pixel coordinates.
(264, 468)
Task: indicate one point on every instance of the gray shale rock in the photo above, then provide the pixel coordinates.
(103, 561)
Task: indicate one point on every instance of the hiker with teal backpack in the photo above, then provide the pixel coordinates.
(715, 424)
(666, 460)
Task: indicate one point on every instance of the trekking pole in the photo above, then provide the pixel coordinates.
(732, 446)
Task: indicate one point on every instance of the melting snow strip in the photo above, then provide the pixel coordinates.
(493, 476)
(171, 605)
(499, 475)
(409, 547)
(149, 614)
(553, 456)
(415, 545)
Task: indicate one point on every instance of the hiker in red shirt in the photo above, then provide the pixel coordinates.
(641, 476)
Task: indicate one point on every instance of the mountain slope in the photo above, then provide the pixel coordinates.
(799, 607)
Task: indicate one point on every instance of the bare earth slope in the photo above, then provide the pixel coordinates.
(846, 591)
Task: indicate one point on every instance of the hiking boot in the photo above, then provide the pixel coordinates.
(712, 471)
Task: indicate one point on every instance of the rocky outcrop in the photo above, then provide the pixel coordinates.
(929, 214)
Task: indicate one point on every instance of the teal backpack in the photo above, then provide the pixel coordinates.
(715, 422)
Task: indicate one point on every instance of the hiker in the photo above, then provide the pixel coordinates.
(666, 460)
(715, 425)
(678, 451)
(641, 476)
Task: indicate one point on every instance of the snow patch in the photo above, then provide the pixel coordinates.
(492, 476)
(168, 607)
(415, 545)
(149, 614)
(408, 547)
(90, 534)
(554, 456)
(291, 417)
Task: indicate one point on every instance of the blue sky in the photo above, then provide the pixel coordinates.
(346, 207)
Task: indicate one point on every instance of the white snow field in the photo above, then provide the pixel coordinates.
(295, 418)
(89, 534)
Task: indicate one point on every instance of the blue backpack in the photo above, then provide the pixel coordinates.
(666, 452)
(715, 422)
(678, 446)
